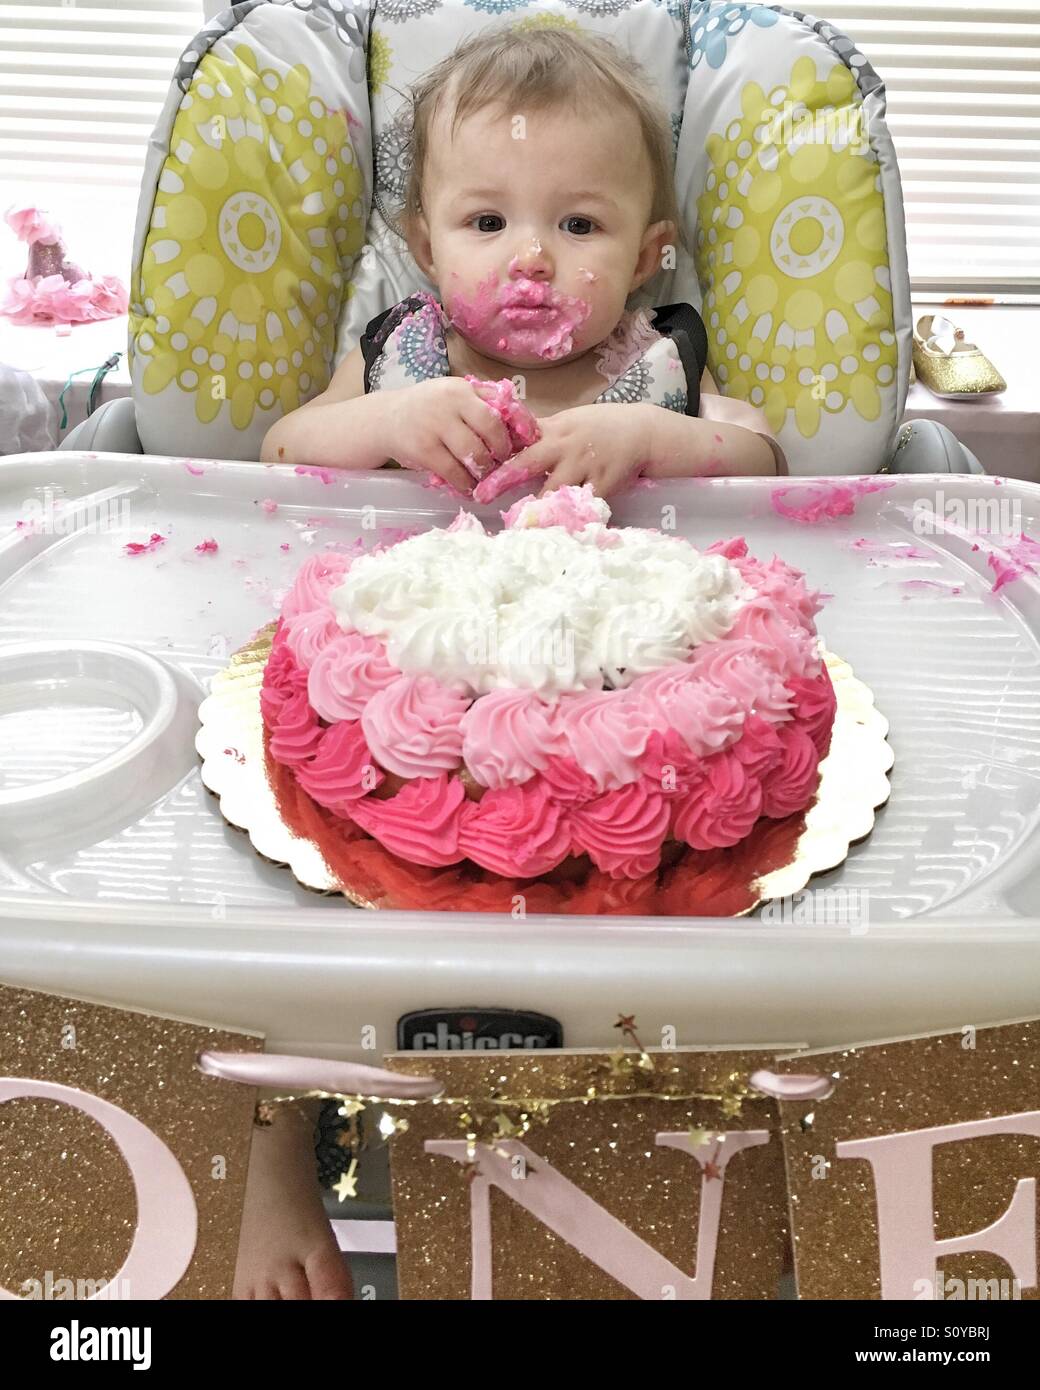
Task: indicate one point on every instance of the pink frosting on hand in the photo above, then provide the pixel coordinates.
(317, 577)
(722, 806)
(295, 731)
(413, 726)
(507, 736)
(502, 398)
(622, 831)
(746, 671)
(421, 823)
(346, 673)
(814, 708)
(701, 711)
(519, 832)
(501, 479)
(791, 785)
(341, 770)
(606, 733)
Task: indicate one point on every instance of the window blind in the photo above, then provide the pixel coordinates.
(82, 85)
(963, 84)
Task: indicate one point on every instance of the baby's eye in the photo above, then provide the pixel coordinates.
(486, 217)
(585, 225)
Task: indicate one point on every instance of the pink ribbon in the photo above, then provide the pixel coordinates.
(316, 1074)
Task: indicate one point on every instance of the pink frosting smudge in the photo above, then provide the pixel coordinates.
(192, 468)
(269, 505)
(327, 475)
(1021, 557)
(523, 317)
(207, 547)
(926, 586)
(823, 501)
(144, 547)
(573, 508)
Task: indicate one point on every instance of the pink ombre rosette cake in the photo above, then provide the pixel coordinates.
(597, 719)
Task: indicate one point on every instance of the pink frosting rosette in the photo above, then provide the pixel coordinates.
(814, 707)
(341, 770)
(413, 726)
(605, 731)
(282, 677)
(569, 784)
(790, 785)
(788, 649)
(294, 732)
(783, 586)
(518, 832)
(317, 577)
(742, 668)
(508, 736)
(309, 633)
(347, 671)
(669, 765)
(759, 747)
(721, 808)
(421, 823)
(701, 711)
(623, 830)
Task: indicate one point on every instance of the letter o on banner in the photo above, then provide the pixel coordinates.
(167, 1218)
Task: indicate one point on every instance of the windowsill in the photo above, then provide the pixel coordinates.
(52, 354)
(1003, 432)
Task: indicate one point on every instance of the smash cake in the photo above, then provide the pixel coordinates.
(564, 714)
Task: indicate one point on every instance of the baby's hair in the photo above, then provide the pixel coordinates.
(522, 70)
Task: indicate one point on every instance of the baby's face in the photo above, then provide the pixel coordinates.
(536, 230)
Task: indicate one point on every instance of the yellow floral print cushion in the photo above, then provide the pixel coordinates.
(259, 211)
(798, 238)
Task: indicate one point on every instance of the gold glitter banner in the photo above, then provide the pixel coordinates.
(922, 1145)
(122, 1167)
(551, 1180)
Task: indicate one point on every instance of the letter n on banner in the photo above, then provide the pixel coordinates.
(674, 1195)
(916, 1178)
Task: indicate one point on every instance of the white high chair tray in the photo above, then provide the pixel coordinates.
(120, 881)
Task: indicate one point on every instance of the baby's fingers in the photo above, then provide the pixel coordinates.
(521, 468)
(489, 426)
(569, 473)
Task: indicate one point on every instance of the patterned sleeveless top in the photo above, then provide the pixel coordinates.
(661, 362)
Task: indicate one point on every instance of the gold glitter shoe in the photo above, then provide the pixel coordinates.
(950, 367)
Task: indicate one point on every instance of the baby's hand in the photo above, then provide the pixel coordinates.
(601, 444)
(443, 426)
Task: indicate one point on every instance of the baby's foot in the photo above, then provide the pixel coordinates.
(286, 1248)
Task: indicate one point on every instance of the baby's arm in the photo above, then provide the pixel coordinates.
(441, 425)
(726, 437)
(340, 428)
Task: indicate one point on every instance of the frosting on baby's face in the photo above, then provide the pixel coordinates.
(535, 230)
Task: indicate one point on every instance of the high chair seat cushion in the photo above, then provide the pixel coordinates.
(259, 168)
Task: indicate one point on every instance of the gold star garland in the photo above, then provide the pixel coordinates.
(500, 1117)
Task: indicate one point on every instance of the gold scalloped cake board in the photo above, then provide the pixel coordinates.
(853, 779)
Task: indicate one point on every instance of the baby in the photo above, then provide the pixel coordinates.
(540, 196)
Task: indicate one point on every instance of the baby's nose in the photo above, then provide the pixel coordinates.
(531, 261)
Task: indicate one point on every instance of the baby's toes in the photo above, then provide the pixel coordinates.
(328, 1275)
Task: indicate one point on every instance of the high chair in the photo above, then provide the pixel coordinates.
(266, 241)
(266, 235)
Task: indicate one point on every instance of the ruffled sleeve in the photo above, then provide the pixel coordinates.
(727, 411)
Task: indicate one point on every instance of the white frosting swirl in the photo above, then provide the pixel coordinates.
(543, 609)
